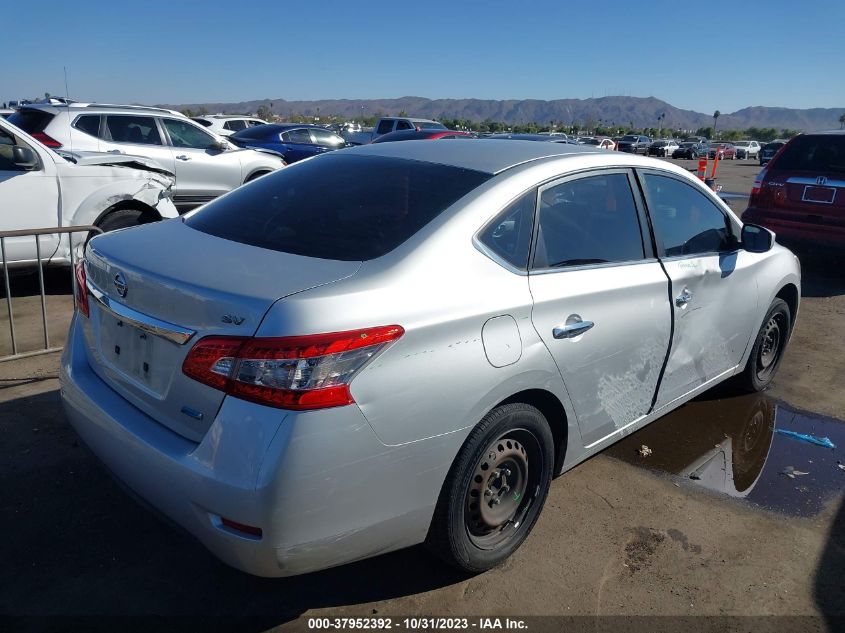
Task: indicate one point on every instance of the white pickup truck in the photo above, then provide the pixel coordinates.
(40, 188)
(388, 124)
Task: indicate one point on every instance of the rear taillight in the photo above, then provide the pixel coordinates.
(295, 372)
(81, 289)
(49, 141)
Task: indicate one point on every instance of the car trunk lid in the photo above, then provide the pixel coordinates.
(156, 290)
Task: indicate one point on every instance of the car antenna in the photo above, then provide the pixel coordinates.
(67, 111)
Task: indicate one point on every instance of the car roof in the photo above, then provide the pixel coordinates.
(103, 107)
(491, 156)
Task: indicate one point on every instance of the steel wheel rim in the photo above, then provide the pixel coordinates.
(502, 488)
(770, 346)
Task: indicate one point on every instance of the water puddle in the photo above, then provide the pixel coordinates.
(730, 446)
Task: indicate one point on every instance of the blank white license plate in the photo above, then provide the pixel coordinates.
(823, 195)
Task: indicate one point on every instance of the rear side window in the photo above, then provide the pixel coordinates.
(591, 220)
(685, 221)
(403, 125)
(202, 122)
(301, 136)
(815, 153)
(141, 130)
(30, 120)
(236, 125)
(509, 234)
(339, 207)
(88, 123)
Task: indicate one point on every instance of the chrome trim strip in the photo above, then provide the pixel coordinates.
(829, 182)
(165, 330)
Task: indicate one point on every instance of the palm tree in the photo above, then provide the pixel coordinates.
(716, 115)
(841, 121)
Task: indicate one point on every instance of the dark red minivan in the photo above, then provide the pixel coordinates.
(800, 193)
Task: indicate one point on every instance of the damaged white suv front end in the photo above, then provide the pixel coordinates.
(42, 189)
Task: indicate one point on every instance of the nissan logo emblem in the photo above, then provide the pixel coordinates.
(120, 284)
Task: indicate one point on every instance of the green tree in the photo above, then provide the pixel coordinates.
(402, 112)
(716, 116)
(264, 113)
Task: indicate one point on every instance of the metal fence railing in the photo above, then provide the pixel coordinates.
(37, 233)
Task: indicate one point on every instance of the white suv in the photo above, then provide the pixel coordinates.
(206, 165)
(226, 125)
(41, 189)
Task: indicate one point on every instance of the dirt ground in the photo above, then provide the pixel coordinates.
(618, 536)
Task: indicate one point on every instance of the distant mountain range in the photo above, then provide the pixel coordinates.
(622, 111)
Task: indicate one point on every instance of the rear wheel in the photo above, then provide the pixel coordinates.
(768, 348)
(495, 489)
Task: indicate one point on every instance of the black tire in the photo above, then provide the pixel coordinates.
(768, 348)
(122, 219)
(256, 176)
(495, 489)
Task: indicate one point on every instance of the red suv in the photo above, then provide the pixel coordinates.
(800, 193)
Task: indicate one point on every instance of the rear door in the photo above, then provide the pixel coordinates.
(601, 302)
(203, 171)
(807, 180)
(713, 288)
(135, 134)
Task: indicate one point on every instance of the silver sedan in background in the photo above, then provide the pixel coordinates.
(404, 343)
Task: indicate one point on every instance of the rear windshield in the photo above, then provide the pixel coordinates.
(259, 131)
(31, 121)
(815, 152)
(350, 208)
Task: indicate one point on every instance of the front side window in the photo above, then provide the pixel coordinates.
(184, 134)
(140, 130)
(509, 234)
(686, 221)
(385, 126)
(342, 207)
(403, 125)
(324, 138)
(591, 220)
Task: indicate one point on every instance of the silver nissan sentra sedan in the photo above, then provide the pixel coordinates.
(403, 343)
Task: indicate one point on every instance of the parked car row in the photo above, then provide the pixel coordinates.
(205, 164)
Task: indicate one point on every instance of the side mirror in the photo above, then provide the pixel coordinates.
(756, 239)
(24, 157)
(222, 145)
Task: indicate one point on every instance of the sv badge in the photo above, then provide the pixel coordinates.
(232, 318)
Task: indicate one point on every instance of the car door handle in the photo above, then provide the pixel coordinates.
(183, 157)
(575, 326)
(684, 298)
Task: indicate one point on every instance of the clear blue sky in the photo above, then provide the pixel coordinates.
(701, 54)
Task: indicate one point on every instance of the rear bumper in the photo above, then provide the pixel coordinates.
(798, 231)
(320, 485)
